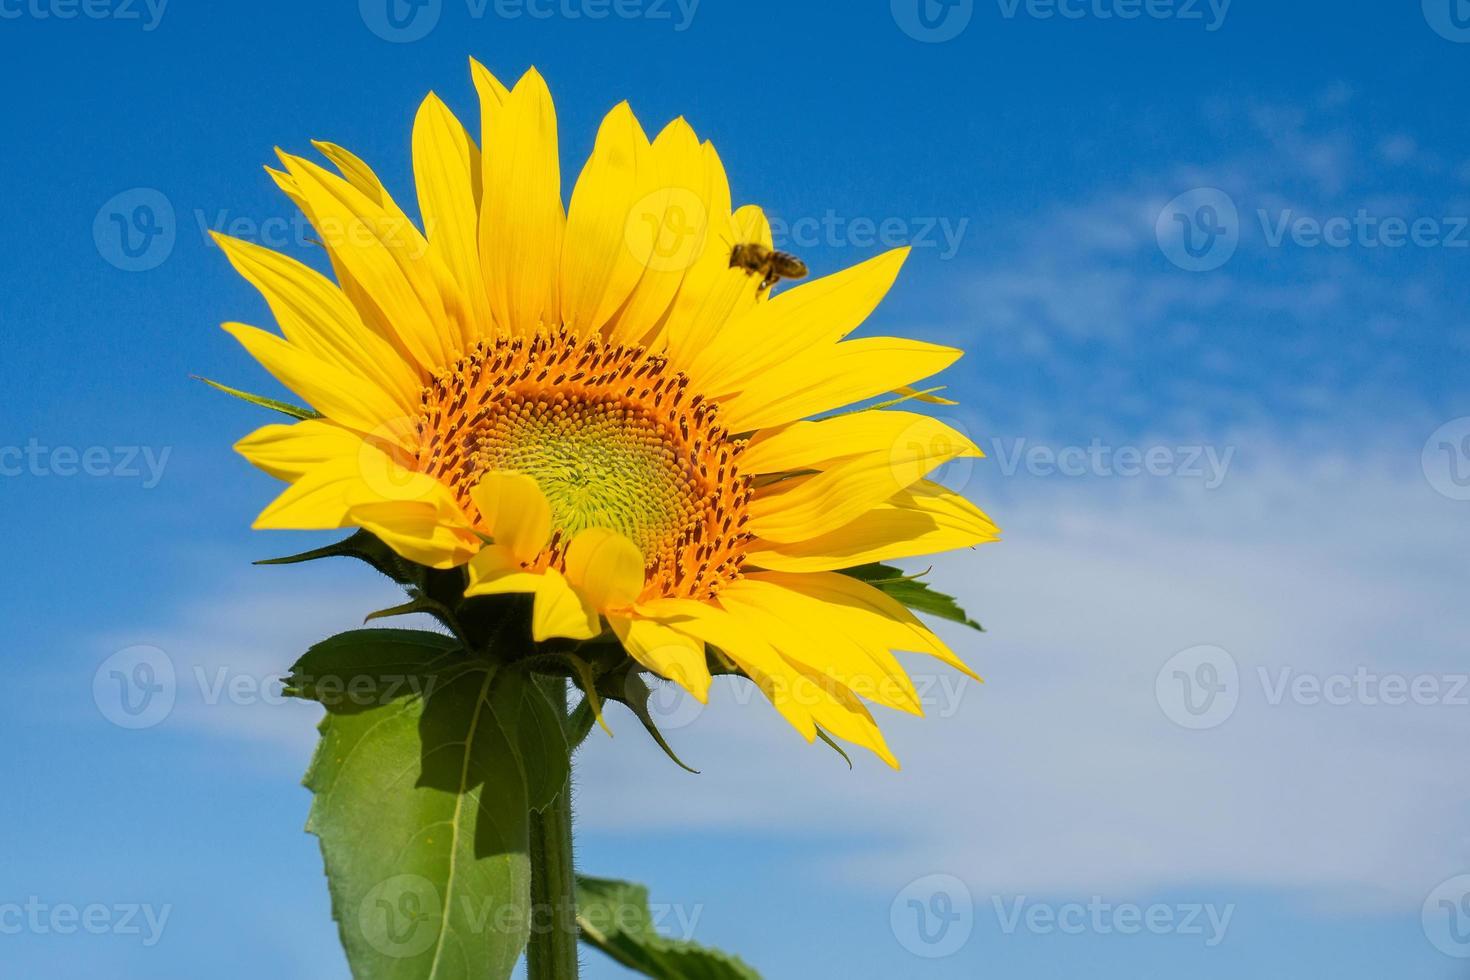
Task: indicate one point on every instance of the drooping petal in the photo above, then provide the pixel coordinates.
(562, 611)
(861, 609)
(666, 652)
(804, 631)
(513, 511)
(605, 567)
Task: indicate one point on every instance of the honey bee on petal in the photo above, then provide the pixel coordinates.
(772, 266)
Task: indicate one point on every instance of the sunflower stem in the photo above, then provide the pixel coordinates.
(551, 953)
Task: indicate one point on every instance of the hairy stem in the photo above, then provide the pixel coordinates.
(552, 951)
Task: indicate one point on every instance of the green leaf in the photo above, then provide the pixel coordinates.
(420, 806)
(614, 917)
(913, 593)
(285, 408)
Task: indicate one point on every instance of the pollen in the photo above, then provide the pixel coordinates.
(612, 436)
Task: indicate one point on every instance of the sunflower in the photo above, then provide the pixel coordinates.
(592, 404)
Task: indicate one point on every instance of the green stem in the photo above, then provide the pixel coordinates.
(552, 951)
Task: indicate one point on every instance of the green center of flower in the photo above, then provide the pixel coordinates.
(613, 439)
(600, 463)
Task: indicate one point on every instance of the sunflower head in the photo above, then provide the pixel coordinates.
(596, 405)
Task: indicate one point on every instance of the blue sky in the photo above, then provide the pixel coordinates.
(1238, 458)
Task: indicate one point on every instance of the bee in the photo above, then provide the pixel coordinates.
(771, 265)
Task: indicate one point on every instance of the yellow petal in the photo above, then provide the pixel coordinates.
(666, 652)
(496, 571)
(421, 531)
(806, 631)
(605, 567)
(513, 511)
(562, 611)
(923, 519)
(599, 269)
(714, 294)
(389, 259)
(902, 437)
(318, 318)
(832, 377)
(288, 452)
(318, 500)
(666, 230)
(811, 315)
(711, 624)
(889, 454)
(334, 391)
(446, 168)
(521, 215)
(861, 609)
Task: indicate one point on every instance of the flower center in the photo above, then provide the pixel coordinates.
(613, 439)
